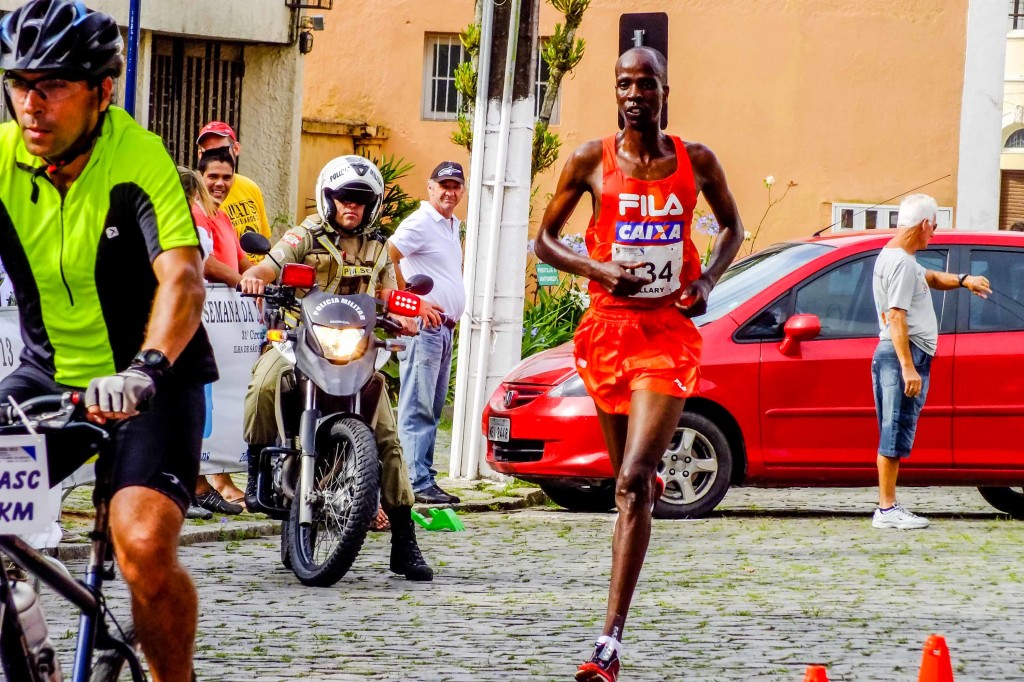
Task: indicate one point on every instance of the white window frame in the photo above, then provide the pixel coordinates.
(884, 212)
(430, 75)
(541, 86)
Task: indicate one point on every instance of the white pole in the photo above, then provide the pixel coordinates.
(499, 182)
(476, 188)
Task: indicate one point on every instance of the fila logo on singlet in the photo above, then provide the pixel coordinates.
(645, 202)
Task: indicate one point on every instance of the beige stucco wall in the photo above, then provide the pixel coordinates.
(1013, 99)
(855, 102)
(271, 125)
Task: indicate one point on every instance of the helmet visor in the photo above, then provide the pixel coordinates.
(352, 194)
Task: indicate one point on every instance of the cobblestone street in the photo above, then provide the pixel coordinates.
(776, 580)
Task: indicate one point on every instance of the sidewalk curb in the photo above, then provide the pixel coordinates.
(530, 499)
(250, 530)
(192, 536)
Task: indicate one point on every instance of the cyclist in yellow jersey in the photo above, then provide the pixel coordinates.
(97, 237)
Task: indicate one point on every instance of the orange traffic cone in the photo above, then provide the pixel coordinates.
(816, 673)
(935, 665)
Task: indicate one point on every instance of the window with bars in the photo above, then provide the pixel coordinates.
(441, 100)
(1016, 15)
(847, 217)
(193, 82)
(541, 86)
(1015, 140)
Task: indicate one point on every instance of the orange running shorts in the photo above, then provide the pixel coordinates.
(620, 351)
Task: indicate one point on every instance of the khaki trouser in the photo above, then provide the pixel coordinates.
(260, 428)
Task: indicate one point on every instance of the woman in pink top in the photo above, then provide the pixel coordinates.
(224, 264)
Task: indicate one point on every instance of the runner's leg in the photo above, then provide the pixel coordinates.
(652, 423)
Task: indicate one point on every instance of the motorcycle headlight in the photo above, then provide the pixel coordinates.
(570, 388)
(338, 344)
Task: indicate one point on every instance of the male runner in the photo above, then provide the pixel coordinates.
(636, 349)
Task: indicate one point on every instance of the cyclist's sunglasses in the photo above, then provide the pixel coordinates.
(49, 88)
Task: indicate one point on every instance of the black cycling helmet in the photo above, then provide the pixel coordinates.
(46, 35)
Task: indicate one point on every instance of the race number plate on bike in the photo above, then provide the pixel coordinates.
(25, 502)
(659, 246)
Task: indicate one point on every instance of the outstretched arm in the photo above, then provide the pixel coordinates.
(943, 281)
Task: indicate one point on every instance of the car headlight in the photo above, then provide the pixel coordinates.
(338, 344)
(570, 388)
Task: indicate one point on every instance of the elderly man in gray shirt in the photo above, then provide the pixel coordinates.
(908, 340)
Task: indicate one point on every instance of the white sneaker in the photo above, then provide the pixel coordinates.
(898, 517)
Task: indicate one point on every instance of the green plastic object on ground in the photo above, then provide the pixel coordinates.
(440, 519)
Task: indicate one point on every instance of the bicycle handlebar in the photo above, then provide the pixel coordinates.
(63, 404)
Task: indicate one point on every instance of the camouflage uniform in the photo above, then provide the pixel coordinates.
(367, 269)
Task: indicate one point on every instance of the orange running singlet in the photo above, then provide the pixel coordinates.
(645, 221)
(641, 342)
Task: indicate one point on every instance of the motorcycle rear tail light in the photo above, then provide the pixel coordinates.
(298, 276)
(403, 303)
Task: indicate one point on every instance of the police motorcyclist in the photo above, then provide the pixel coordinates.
(349, 257)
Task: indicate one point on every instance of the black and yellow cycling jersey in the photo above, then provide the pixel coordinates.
(81, 265)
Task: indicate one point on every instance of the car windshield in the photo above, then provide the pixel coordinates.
(751, 275)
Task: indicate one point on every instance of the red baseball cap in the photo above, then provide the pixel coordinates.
(217, 128)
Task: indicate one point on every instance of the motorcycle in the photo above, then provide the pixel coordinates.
(323, 482)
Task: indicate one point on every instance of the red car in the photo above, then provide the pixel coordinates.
(785, 393)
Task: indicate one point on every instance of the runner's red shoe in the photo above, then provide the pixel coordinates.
(603, 666)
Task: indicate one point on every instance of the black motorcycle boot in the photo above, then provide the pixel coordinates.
(406, 558)
(250, 483)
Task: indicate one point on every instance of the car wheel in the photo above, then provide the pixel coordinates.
(1009, 500)
(696, 468)
(582, 497)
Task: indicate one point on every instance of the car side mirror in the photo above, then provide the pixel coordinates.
(802, 327)
(254, 243)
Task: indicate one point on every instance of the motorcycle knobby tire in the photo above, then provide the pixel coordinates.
(353, 437)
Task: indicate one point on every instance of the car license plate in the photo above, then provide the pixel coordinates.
(498, 429)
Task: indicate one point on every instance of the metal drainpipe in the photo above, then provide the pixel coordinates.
(490, 274)
(476, 180)
(132, 67)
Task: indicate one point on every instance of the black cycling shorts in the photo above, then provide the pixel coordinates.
(158, 449)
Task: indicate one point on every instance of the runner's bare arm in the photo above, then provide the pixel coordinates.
(710, 179)
(577, 179)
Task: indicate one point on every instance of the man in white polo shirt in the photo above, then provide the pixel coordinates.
(427, 243)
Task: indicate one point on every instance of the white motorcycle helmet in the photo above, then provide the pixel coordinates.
(350, 178)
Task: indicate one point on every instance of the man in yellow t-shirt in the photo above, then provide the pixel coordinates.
(244, 203)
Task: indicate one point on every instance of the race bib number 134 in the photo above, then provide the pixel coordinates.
(662, 264)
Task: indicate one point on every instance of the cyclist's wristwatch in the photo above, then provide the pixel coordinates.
(151, 362)
(962, 278)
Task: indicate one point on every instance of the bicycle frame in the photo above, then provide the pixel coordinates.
(86, 596)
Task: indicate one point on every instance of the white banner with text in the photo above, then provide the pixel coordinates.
(236, 331)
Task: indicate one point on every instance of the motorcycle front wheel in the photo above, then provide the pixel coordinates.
(347, 481)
